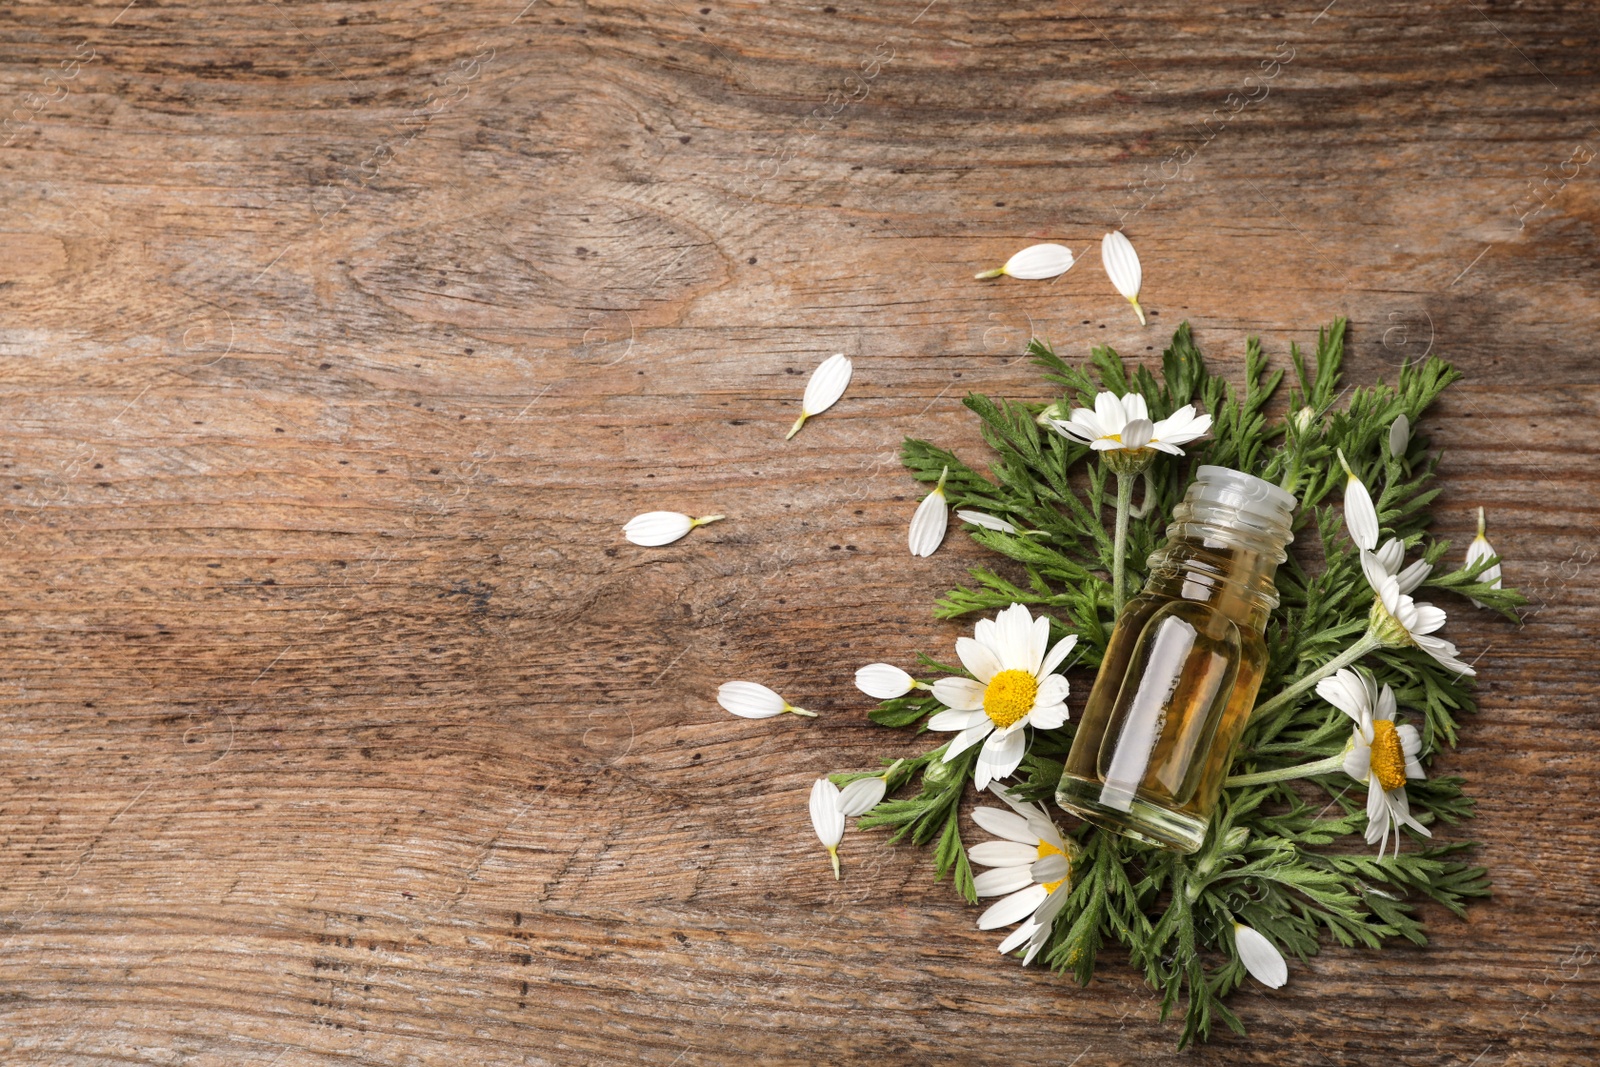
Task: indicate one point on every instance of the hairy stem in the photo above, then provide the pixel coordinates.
(1367, 643)
(1119, 548)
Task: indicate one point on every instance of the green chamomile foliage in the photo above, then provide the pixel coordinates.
(1286, 858)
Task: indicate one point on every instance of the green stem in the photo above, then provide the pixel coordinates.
(1367, 643)
(1305, 770)
(1119, 546)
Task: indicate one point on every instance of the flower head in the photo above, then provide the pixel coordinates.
(1360, 517)
(656, 528)
(1016, 687)
(1031, 866)
(1259, 956)
(1122, 267)
(748, 700)
(931, 520)
(1034, 262)
(825, 387)
(1381, 755)
(1480, 549)
(1122, 424)
(827, 818)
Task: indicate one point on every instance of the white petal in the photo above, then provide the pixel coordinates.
(1264, 962)
(1121, 263)
(883, 681)
(1039, 261)
(1399, 436)
(1443, 651)
(655, 528)
(1015, 908)
(1050, 868)
(749, 700)
(1048, 716)
(1110, 413)
(1414, 575)
(1391, 555)
(967, 738)
(959, 694)
(827, 384)
(1038, 644)
(1410, 739)
(1010, 825)
(1383, 710)
(1181, 427)
(988, 522)
(978, 658)
(1015, 644)
(956, 720)
(1346, 691)
(1053, 689)
(1134, 406)
(1000, 756)
(1372, 568)
(1003, 854)
(826, 818)
(861, 796)
(929, 523)
(1429, 619)
(1057, 654)
(1001, 880)
(1359, 514)
(1136, 433)
(1358, 761)
(1016, 938)
(1084, 426)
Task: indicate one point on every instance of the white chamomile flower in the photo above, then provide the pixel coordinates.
(885, 681)
(1480, 549)
(1123, 423)
(987, 521)
(749, 700)
(1387, 561)
(1122, 267)
(1399, 436)
(1397, 621)
(1016, 687)
(1360, 516)
(1381, 755)
(827, 818)
(1030, 868)
(1033, 263)
(1259, 956)
(656, 528)
(826, 386)
(931, 520)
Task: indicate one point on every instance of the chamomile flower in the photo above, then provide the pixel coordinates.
(885, 681)
(1480, 549)
(1381, 755)
(987, 521)
(1030, 869)
(1122, 267)
(1033, 263)
(748, 700)
(1387, 560)
(1123, 424)
(1259, 956)
(1360, 516)
(1397, 621)
(825, 387)
(1016, 687)
(827, 819)
(931, 520)
(656, 528)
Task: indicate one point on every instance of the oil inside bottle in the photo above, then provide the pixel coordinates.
(1183, 667)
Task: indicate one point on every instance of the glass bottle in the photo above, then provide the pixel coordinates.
(1180, 674)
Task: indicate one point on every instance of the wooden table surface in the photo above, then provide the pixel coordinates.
(342, 726)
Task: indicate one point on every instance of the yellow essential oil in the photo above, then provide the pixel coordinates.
(1180, 675)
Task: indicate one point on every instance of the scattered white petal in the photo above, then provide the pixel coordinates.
(884, 681)
(827, 818)
(750, 700)
(988, 522)
(826, 386)
(862, 795)
(656, 528)
(1264, 962)
(1121, 263)
(1360, 516)
(1480, 549)
(1034, 262)
(931, 520)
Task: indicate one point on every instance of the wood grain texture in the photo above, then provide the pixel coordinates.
(341, 726)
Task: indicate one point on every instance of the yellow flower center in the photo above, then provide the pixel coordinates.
(1047, 849)
(1009, 697)
(1388, 757)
